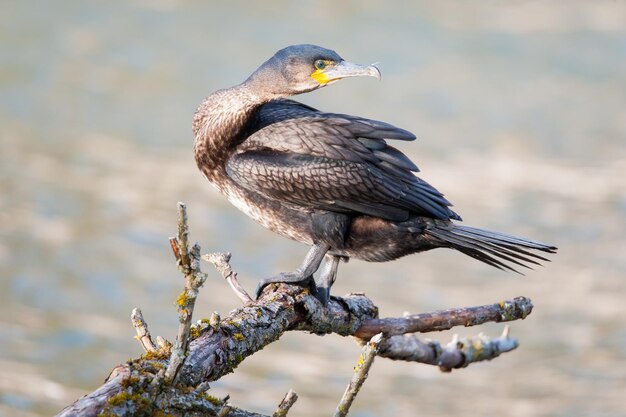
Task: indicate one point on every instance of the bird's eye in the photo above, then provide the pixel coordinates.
(320, 64)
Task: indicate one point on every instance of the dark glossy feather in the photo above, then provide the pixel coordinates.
(490, 247)
(315, 160)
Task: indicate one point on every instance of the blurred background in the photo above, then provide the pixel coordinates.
(520, 113)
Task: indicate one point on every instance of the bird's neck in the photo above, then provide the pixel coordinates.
(220, 124)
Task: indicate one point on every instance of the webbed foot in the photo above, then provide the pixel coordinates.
(296, 277)
(302, 275)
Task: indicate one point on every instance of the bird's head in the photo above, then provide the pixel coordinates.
(299, 69)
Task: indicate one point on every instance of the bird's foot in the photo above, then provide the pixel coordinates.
(326, 279)
(322, 294)
(296, 277)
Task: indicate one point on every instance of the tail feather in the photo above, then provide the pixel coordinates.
(506, 254)
(493, 248)
(508, 238)
(506, 248)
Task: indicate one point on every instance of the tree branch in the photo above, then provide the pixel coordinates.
(370, 350)
(285, 405)
(503, 311)
(143, 335)
(459, 353)
(221, 262)
(177, 383)
(189, 265)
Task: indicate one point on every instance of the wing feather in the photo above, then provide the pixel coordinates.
(314, 160)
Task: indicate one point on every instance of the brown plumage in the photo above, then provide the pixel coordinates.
(329, 180)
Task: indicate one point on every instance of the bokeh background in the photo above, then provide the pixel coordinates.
(520, 112)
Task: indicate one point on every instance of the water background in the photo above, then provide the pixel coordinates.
(520, 113)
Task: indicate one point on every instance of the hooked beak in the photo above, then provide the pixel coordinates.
(345, 69)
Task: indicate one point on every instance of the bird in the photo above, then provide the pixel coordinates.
(331, 181)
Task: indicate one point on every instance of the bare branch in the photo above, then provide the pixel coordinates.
(248, 329)
(141, 327)
(285, 405)
(220, 348)
(189, 264)
(370, 350)
(163, 344)
(176, 384)
(221, 262)
(457, 354)
(509, 310)
(183, 235)
(175, 248)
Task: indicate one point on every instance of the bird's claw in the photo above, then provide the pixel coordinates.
(287, 277)
(322, 294)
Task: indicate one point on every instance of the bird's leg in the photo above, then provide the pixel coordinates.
(304, 274)
(326, 278)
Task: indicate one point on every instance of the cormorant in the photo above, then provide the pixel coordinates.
(329, 180)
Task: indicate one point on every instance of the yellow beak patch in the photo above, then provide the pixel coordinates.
(320, 77)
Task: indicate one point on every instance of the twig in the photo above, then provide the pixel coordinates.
(175, 248)
(360, 375)
(141, 327)
(163, 344)
(189, 264)
(183, 236)
(285, 405)
(221, 262)
(459, 353)
(509, 310)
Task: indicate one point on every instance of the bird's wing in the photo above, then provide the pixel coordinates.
(325, 161)
(285, 109)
